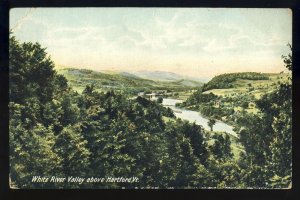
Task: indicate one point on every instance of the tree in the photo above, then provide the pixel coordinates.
(159, 100)
(211, 122)
(221, 148)
(244, 104)
(189, 165)
(31, 72)
(195, 133)
(31, 150)
(71, 147)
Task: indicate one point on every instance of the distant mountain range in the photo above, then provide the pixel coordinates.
(164, 76)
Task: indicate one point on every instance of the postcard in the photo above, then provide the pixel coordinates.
(150, 98)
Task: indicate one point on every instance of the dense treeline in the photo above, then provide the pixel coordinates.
(55, 131)
(224, 81)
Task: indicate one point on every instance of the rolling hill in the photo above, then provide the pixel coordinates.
(244, 83)
(125, 81)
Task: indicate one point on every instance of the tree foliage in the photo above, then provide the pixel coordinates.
(267, 138)
(211, 122)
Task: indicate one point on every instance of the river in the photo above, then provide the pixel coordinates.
(193, 116)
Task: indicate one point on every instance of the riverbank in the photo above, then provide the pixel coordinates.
(221, 119)
(195, 116)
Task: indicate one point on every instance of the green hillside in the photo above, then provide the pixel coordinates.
(79, 78)
(227, 104)
(226, 80)
(256, 87)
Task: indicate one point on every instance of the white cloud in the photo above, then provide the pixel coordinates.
(160, 42)
(164, 34)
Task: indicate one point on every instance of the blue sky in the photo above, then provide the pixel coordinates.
(190, 41)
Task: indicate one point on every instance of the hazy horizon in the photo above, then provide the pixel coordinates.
(201, 78)
(196, 42)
